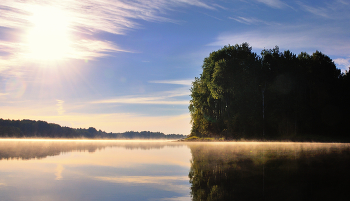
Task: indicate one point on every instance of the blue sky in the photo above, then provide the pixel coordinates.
(121, 65)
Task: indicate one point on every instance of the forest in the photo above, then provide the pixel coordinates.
(274, 96)
(41, 129)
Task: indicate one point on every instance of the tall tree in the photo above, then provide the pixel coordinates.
(224, 96)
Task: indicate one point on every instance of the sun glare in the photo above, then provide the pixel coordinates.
(48, 39)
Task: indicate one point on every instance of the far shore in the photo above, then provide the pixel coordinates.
(316, 139)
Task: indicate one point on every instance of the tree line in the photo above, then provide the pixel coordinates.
(42, 129)
(277, 95)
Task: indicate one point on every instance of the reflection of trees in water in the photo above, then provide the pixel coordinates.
(29, 149)
(269, 172)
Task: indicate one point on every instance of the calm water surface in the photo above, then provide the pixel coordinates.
(163, 170)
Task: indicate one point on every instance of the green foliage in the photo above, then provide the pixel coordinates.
(192, 138)
(225, 82)
(242, 95)
(203, 139)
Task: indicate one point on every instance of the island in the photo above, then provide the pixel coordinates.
(275, 96)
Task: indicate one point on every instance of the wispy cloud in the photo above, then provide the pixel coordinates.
(273, 3)
(59, 105)
(18, 54)
(196, 3)
(113, 16)
(343, 2)
(179, 82)
(322, 38)
(59, 171)
(84, 19)
(179, 92)
(251, 20)
(171, 97)
(186, 198)
(14, 51)
(343, 64)
(323, 12)
(335, 10)
(162, 182)
(143, 100)
(342, 61)
(143, 179)
(90, 49)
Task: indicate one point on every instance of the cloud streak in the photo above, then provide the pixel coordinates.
(143, 179)
(85, 19)
(273, 3)
(161, 98)
(59, 171)
(59, 105)
(162, 182)
(295, 38)
(178, 82)
(316, 11)
(336, 10)
(113, 16)
(251, 20)
(143, 100)
(343, 64)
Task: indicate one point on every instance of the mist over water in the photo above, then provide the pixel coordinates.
(41, 148)
(270, 171)
(165, 170)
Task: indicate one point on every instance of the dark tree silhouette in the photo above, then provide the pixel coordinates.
(277, 95)
(31, 128)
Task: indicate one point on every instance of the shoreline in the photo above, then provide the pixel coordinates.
(306, 139)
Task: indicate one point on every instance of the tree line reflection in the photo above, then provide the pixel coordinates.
(231, 171)
(270, 172)
(31, 149)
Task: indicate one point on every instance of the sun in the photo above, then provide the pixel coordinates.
(48, 38)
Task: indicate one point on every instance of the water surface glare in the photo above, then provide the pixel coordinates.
(165, 170)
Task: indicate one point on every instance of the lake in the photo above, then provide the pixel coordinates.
(164, 170)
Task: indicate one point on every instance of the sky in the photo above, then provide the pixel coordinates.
(128, 65)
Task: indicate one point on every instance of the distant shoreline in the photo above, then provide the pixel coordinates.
(41, 129)
(184, 140)
(86, 139)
